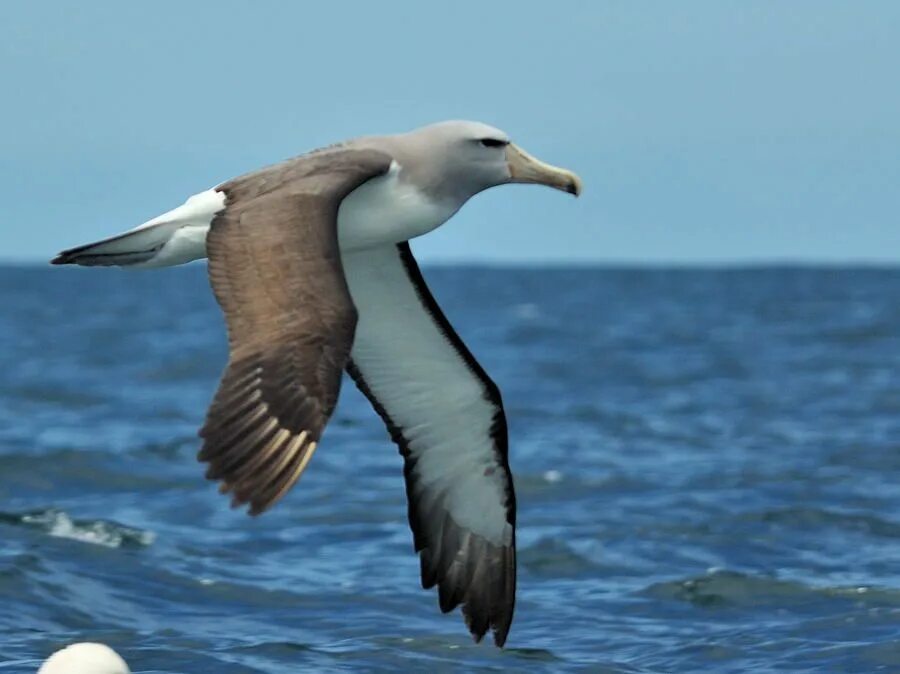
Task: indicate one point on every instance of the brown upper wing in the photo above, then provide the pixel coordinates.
(275, 269)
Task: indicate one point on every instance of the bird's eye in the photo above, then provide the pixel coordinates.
(493, 142)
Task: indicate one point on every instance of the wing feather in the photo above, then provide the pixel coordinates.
(275, 269)
(446, 416)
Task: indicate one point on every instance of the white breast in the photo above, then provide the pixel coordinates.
(387, 210)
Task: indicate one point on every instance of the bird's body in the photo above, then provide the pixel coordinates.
(383, 210)
(310, 263)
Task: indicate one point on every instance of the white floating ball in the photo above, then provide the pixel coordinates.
(85, 658)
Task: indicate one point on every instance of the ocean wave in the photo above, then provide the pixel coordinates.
(555, 558)
(721, 587)
(59, 524)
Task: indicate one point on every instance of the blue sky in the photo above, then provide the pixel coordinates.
(709, 132)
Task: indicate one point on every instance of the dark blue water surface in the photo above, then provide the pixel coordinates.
(707, 466)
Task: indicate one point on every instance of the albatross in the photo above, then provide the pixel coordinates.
(310, 262)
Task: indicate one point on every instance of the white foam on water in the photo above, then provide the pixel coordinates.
(58, 523)
(553, 476)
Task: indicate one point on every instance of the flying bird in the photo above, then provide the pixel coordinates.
(310, 262)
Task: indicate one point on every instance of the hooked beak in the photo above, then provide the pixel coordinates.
(523, 168)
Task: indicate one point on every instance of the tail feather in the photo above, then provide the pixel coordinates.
(175, 237)
(130, 248)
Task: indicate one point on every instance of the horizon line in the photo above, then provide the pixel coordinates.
(599, 263)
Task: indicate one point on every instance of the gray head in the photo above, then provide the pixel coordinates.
(458, 159)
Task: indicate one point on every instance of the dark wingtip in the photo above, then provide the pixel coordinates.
(257, 509)
(499, 631)
(500, 635)
(62, 258)
(479, 627)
